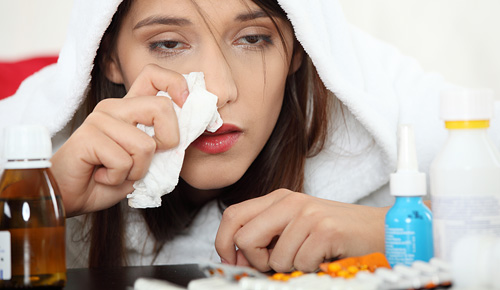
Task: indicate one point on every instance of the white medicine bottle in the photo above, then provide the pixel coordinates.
(465, 175)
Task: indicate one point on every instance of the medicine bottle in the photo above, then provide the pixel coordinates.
(474, 262)
(32, 217)
(465, 175)
(408, 224)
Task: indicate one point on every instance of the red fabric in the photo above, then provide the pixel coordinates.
(13, 73)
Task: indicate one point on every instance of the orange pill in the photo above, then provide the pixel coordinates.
(342, 273)
(334, 267)
(296, 274)
(352, 269)
(278, 276)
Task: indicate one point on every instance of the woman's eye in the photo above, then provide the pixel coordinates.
(252, 39)
(167, 46)
(255, 40)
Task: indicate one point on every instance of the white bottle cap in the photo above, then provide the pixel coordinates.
(407, 181)
(466, 104)
(27, 146)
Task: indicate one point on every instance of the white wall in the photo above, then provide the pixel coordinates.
(32, 27)
(457, 38)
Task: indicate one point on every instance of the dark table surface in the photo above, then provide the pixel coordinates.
(124, 277)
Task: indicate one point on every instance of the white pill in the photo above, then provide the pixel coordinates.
(388, 275)
(425, 267)
(406, 271)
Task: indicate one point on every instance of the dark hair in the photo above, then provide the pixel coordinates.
(300, 132)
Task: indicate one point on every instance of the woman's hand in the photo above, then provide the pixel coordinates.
(97, 166)
(286, 230)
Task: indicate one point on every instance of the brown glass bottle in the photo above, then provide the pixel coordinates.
(32, 225)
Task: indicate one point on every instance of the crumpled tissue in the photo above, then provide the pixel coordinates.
(199, 113)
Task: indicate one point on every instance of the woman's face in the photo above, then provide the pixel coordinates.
(239, 50)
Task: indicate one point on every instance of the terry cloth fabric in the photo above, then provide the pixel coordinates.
(377, 85)
(199, 113)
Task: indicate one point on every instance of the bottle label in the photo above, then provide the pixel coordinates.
(5, 260)
(405, 245)
(458, 216)
(399, 245)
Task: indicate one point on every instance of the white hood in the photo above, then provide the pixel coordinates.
(369, 77)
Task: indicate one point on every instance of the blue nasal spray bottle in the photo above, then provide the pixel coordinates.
(408, 224)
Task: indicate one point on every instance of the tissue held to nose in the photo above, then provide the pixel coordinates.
(199, 113)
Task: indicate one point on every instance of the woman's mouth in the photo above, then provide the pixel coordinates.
(220, 141)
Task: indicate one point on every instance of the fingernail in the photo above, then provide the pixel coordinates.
(223, 261)
(184, 95)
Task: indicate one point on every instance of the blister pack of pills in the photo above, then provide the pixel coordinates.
(434, 274)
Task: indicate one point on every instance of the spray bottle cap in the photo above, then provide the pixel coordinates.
(407, 180)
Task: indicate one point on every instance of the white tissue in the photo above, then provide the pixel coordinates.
(199, 113)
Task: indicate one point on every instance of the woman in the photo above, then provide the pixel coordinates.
(285, 134)
(144, 51)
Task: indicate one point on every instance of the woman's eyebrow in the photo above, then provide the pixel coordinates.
(251, 15)
(163, 20)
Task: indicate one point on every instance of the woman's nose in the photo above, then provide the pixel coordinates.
(219, 78)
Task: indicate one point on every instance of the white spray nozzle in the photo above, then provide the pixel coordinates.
(407, 154)
(407, 181)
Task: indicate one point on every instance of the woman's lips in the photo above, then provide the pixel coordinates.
(220, 141)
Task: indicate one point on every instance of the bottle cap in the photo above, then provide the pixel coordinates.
(27, 146)
(466, 104)
(407, 180)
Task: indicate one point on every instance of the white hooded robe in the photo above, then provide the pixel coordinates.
(379, 87)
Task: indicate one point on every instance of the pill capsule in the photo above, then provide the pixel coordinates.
(388, 275)
(424, 267)
(406, 271)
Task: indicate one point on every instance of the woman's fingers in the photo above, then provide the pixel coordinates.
(274, 238)
(104, 196)
(98, 164)
(293, 238)
(160, 111)
(234, 218)
(137, 144)
(315, 249)
(141, 105)
(285, 230)
(259, 234)
(114, 162)
(75, 163)
(153, 78)
(153, 111)
(241, 260)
